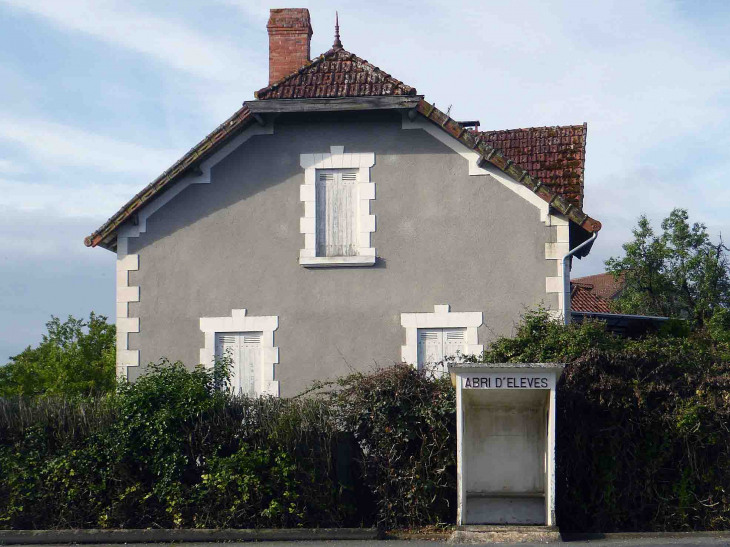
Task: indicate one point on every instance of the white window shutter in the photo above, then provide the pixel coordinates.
(430, 347)
(454, 342)
(246, 353)
(250, 361)
(336, 213)
(227, 344)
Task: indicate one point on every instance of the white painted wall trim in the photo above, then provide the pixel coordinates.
(442, 317)
(474, 170)
(337, 159)
(128, 230)
(240, 322)
(125, 294)
(555, 252)
(130, 358)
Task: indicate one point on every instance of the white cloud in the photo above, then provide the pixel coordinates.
(73, 147)
(78, 201)
(120, 23)
(9, 167)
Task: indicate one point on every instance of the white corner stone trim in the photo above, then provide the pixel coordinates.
(161, 200)
(474, 169)
(125, 294)
(555, 252)
(130, 358)
(442, 317)
(240, 322)
(337, 159)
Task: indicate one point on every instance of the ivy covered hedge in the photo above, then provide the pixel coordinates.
(643, 444)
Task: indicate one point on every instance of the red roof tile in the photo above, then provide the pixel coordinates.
(337, 73)
(603, 285)
(583, 299)
(555, 155)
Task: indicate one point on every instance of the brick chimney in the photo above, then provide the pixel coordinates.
(289, 35)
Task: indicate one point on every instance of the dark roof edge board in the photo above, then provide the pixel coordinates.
(241, 119)
(385, 102)
(514, 171)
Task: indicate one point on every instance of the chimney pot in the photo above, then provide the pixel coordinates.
(290, 34)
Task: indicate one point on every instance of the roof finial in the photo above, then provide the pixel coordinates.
(337, 43)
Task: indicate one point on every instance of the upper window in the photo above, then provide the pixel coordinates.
(337, 224)
(337, 213)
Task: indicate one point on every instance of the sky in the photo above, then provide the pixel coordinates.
(98, 97)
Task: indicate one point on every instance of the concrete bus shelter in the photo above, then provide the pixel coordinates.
(505, 443)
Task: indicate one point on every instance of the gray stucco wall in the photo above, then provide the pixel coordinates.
(443, 237)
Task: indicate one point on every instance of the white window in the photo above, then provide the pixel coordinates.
(249, 340)
(245, 351)
(337, 224)
(432, 338)
(435, 346)
(337, 213)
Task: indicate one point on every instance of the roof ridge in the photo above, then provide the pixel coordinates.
(574, 126)
(342, 55)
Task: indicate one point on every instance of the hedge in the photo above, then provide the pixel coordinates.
(643, 444)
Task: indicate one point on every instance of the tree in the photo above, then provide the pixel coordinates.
(680, 273)
(76, 357)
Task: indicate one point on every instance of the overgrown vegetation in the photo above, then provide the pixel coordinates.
(76, 357)
(679, 273)
(643, 443)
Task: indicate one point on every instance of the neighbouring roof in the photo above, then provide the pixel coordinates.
(555, 155)
(582, 298)
(603, 285)
(337, 73)
(525, 155)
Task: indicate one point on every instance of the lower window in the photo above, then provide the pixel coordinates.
(245, 352)
(435, 346)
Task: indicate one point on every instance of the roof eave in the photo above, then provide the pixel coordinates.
(105, 235)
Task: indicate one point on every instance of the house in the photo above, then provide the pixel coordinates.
(591, 296)
(340, 220)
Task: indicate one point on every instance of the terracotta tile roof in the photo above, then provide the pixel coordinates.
(603, 285)
(337, 73)
(555, 155)
(582, 298)
(491, 154)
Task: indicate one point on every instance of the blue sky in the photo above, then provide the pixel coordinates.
(98, 97)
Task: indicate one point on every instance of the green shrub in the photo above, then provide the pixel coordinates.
(643, 443)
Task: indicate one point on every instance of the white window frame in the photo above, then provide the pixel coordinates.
(265, 383)
(441, 318)
(337, 159)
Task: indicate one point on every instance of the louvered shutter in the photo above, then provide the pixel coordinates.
(436, 345)
(430, 347)
(227, 344)
(336, 211)
(250, 361)
(454, 341)
(245, 351)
